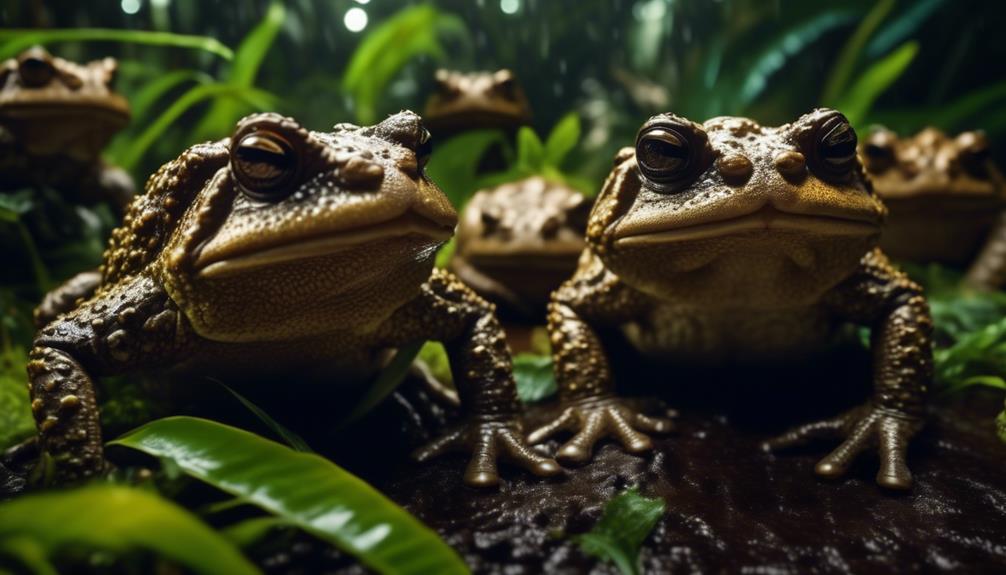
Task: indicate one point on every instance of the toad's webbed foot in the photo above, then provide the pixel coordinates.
(595, 419)
(863, 428)
(489, 441)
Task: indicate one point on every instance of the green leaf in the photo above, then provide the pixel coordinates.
(844, 67)
(384, 51)
(435, 357)
(454, 163)
(386, 382)
(786, 45)
(621, 530)
(903, 26)
(530, 151)
(118, 519)
(292, 439)
(307, 490)
(220, 118)
(535, 380)
(874, 81)
(135, 152)
(562, 139)
(14, 40)
(144, 99)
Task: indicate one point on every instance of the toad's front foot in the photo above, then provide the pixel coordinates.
(598, 418)
(489, 441)
(864, 427)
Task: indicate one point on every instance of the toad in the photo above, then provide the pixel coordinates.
(518, 241)
(730, 240)
(55, 118)
(478, 100)
(284, 252)
(946, 199)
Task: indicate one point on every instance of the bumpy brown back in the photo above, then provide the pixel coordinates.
(152, 216)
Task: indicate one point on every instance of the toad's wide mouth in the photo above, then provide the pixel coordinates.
(212, 265)
(765, 219)
(112, 110)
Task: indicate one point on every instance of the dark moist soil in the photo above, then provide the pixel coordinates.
(730, 506)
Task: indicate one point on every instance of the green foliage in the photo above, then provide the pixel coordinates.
(305, 490)
(16, 422)
(618, 535)
(14, 40)
(851, 53)
(413, 31)
(858, 100)
(904, 25)
(534, 377)
(387, 380)
(535, 158)
(454, 163)
(1001, 424)
(435, 357)
(295, 441)
(36, 527)
(785, 46)
(220, 118)
(976, 358)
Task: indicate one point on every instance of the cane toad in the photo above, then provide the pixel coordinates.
(946, 199)
(518, 241)
(55, 118)
(478, 100)
(279, 251)
(730, 240)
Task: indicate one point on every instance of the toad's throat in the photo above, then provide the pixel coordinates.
(765, 219)
(408, 224)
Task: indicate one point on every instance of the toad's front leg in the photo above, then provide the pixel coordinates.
(893, 306)
(591, 408)
(449, 311)
(130, 327)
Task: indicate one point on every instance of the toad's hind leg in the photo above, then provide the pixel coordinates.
(64, 298)
(988, 272)
(66, 413)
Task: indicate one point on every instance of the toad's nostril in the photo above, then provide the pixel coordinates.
(735, 168)
(791, 164)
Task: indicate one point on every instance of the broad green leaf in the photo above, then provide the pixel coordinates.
(144, 99)
(292, 439)
(386, 382)
(788, 44)
(135, 152)
(535, 380)
(454, 163)
(874, 81)
(119, 519)
(224, 112)
(530, 150)
(562, 139)
(904, 24)
(844, 67)
(309, 491)
(621, 530)
(14, 40)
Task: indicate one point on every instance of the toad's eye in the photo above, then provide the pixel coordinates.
(974, 153)
(879, 155)
(837, 147)
(35, 71)
(424, 147)
(662, 154)
(264, 164)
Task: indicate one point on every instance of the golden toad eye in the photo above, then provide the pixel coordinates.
(662, 154)
(837, 147)
(264, 164)
(35, 71)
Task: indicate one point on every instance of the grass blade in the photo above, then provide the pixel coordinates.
(856, 103)
(14, 40)
(844, 67)
(292, 439)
